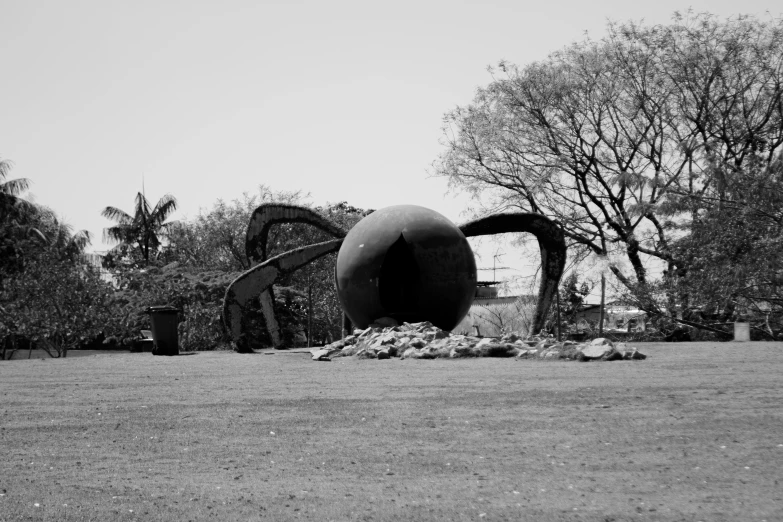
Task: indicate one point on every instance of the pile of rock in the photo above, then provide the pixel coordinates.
(385, 339)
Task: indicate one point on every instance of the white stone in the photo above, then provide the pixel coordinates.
(596, 351)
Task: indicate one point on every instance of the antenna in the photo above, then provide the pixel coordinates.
(494, 259)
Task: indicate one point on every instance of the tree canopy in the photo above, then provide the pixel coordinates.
(624, 141)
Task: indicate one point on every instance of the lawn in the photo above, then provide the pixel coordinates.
(695, 432)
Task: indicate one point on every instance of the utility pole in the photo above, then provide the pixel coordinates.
(309, 307)
(557, 295)
(601, 320)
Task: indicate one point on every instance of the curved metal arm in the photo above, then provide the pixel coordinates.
(551, 241)
(270, 214)
(259, 280)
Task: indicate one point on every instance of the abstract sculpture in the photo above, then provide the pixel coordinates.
(405, 262)
(408, 263)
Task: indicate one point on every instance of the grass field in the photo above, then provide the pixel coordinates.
(695, 432)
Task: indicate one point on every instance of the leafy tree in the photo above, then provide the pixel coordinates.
(140, 234)
(733, 253)
(54, 302)
(198, 295)
(215, 239)
(17, 220)
(572, 296)
(48, 294)
(611, 138)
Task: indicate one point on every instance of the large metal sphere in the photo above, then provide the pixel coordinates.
(406, 262)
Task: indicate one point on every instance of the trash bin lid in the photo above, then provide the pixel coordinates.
(162, 309)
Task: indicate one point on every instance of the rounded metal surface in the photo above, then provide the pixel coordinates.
(407, 262)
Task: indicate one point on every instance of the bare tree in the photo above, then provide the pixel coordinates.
(622, 140)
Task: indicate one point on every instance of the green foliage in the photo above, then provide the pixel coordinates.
(729, 264)
(197, 294)
(49, 295)
(55, 303)
(572, 294)
(215, 239)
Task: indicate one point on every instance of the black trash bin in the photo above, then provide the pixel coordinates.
(164, 330)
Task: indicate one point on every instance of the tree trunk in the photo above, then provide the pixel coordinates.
(636, 262)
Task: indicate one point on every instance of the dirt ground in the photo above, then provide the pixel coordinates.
(695, 432)
(41, 354)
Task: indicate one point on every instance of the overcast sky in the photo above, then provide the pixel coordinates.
(208, 99)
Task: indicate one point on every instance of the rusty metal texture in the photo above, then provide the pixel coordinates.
(551, 242)
(269, 214)
(257, 282)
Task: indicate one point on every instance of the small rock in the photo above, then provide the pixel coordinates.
(417, 327)
(362, 333)
(384, 339)
(634, 355)
(350, 350)
(320, 355)
(596, 351)
(495, 350)
(408, 354)
(418, 343)
(366, 354)
(461, 350)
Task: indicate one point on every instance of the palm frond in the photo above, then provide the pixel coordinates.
(119, 234)
(164, 208)
(81, 240)
(117, 215)
(142, 206)
(14, 187)
(5, 168)
(33, 232)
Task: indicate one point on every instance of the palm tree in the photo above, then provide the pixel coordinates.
(63, 241)
(143, 229)
(18, 220)
(12, 207)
